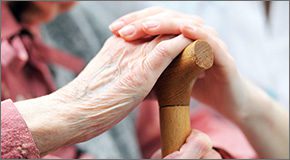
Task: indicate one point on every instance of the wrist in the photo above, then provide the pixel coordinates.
(251, 104)
(235, 96)
(47, 120)
(263, 115)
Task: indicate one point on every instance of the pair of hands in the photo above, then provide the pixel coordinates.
(216, 88)
(122, 75)
(131, 61)
(263, 121)
(125, 71)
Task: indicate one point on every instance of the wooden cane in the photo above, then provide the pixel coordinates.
(173, 90)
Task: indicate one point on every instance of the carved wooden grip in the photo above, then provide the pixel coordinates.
(173, 90)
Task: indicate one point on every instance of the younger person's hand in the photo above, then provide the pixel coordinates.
(220, 87)
(197, 146)
(264, 121)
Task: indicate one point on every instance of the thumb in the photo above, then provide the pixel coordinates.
(164, 52)
(157, 155)
(197, 145)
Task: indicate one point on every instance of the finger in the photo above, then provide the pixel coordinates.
(212, 154)
(196, 146)
(142, 28)
(164, 26)
(198, 31)
(221, 56)
(157, 155)
(124, 20)
(169, 22)
(211, 30)
(161, 56)
(154, 25)
(132, 17)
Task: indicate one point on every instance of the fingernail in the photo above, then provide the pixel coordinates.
(116, 25)
(127, 31)
(150, 24)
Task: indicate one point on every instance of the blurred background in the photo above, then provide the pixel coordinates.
(256, 33)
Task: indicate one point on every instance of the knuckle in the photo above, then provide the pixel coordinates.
(215, 43)
(150, 31)
(131, 81)
(149, 66)
(110, 40)
(203, 141)
(161, 50)
(224, 46)
(211, 30)
(163, 39)
(129, 18)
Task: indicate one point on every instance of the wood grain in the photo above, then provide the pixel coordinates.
(173, 90)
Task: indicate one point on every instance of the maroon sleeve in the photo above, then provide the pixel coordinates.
(16, 139)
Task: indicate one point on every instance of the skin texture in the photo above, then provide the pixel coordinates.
(124, 72)
(264, 121)
(112, 84)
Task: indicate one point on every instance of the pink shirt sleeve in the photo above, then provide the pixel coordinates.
(16, 139)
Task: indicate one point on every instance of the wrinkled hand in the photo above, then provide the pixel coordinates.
(220, 86)
(118, 79)
(110, 86)
(197, 146)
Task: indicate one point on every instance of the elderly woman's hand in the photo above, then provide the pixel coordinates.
(111, 85)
